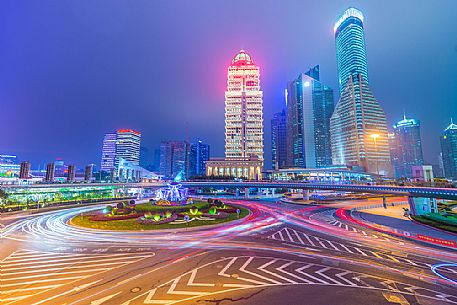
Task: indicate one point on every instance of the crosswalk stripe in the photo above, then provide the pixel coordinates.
(298, 237)
(300, 270)
(56, 268)
(360, 251)
(243, 268)
(29, 288)
(48, 274)
(68, 263)
(288, 235)
(43, 281)
(346, 248)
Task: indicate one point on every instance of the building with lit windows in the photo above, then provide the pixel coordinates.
(309, 108)
(199, 154)
(358, 126)
(127, 148)
(108, 152)
(350, 47)
(406, 147)
(243, 122)
(174, 159)
(449, 151)
(24, 172)
(279, 140)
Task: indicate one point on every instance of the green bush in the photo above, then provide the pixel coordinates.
(114, 211)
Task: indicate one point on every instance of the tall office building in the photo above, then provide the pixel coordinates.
(351, 54)
(50, 169)
(59, 167)
(88, 172)
(243, 122)
(108, 152)
(449, 151)
(199, 154)
(127, 147)
(310, 105)
(243, 110)
(71, 173)
(279, 140)
(358, 126)
(174, 159)
(24, 172)
(406, 147)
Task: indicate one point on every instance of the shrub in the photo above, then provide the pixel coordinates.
(212, 210)
(148, 215)
(132, 202)
(157, 217)
(168, 214)
(114, 211)
(193, 210)
(120, 205)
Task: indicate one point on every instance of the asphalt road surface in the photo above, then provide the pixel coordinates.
(279, 254)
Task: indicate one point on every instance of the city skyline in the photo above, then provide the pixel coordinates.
(278, 64)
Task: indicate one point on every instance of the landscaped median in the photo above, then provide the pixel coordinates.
(445, 222)
(154, 216)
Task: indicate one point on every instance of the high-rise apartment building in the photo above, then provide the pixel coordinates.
(406, 147)
(310, 105)
(108, 152)
(243, 122)
(351, 54)
(449, 151)
(358, 126)
(127, 147)
(279, 140)
(50, 170)
(24, 172)
(199, 154)
(174, 159)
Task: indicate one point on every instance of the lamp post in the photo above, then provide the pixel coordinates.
(375, 136)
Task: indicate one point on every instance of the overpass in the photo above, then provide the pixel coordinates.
(421, 199)
(423, 192)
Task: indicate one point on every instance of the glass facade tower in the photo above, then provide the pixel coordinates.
(199, 154)
(449, 151)
(127, 147)
(407, 147)
(358, 126)
(350, 46)
(309, 108)
(279, 140)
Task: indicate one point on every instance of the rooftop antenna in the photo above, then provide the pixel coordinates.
(404, 114)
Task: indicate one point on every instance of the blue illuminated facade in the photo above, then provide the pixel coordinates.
(279, 140)
(449, 151)
(351, 54)
(309, 108)
(407, 150)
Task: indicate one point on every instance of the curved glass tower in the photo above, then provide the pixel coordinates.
(351, 54)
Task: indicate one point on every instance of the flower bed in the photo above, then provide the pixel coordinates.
(109, 217)
(147, 221)
(220, 215)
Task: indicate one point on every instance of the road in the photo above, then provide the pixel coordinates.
(279, 254)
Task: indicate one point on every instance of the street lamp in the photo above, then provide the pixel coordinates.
(375, 136)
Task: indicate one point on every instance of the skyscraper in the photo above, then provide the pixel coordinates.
(358, 126)
(174, 159)
(407, 147)
(144, 157)
(127, 146)
(309, 108)
(351, 54)
(243, 122)
(243, 110)
(71, 173)
(24, 172)
(199, 154)
(279, 140)
(88, 172)
(449, 151)
(50, 168)
(108, 152)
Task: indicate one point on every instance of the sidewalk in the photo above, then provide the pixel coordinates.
(392, 219)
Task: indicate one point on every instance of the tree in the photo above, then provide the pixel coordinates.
(3, 197)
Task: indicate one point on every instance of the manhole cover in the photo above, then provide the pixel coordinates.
(136, 289)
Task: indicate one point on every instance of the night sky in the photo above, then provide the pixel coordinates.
(71, 71)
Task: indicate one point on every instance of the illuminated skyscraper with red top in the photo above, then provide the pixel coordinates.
(243, 122)
(243, 110)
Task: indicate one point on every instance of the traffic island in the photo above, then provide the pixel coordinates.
(158, 215)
